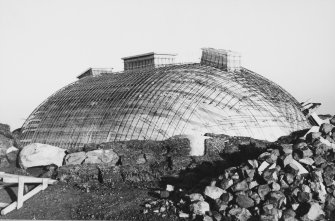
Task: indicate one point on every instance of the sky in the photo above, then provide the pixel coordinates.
(45, 44)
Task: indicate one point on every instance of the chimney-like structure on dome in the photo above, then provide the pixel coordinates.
(223, 59)
(148, 60)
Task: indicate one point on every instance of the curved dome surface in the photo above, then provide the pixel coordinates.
(158, 103)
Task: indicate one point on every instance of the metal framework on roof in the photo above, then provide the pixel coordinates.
(158, 103)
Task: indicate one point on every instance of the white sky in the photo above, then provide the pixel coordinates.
(45, 44)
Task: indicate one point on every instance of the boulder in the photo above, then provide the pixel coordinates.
(314, 212)
(37, 154)
(75, 158)
(12, 154)
(101, 156)
(244, 201)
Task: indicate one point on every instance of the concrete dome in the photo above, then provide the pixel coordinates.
(157, 103)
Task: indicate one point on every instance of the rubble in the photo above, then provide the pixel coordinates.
(285, 182)
(6, 141)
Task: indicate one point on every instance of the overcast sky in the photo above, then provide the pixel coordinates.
(45, 44)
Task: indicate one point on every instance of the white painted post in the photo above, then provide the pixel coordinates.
(20, 192)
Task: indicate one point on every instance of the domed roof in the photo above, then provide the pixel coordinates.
(158, 103)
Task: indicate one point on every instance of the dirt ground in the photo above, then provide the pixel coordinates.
(64, 202)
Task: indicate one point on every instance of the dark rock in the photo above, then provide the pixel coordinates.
(304, 197)
(12, 155)
(4, 128)
(244, 201)
(16, 135)
(90, 147)
(225, 183)
(225, 197)
(164, 194)
(4, 163)
(51, 171)
(217, 216)
(303, 209)
(332, 120)
(288, 215)
(5, 143)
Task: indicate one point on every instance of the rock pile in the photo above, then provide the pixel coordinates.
(286, 182)
(8, 146)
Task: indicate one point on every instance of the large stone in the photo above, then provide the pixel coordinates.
(101, 156)
(75, 158)
(244, 201)
(315, 211)
(12, 154)
(199, 207)
(37, 154)
(213, 192)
